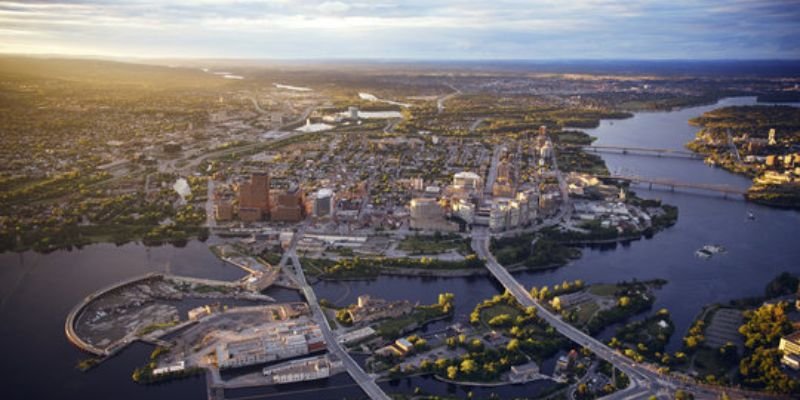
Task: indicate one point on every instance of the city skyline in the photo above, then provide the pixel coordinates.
(450, 30)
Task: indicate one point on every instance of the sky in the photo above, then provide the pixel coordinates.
(410, 29)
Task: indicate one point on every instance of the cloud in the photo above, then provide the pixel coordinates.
(442, 29)
(333, 7)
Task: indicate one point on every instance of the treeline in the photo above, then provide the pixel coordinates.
(755, 120)
(358, 267)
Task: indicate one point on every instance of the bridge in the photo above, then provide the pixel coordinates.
(671, 184)
(645, 151)
(645, 379)
(365, 381)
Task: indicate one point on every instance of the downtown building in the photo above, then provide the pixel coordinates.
(254, 200)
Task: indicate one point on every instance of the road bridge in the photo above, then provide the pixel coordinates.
(644, 151)
(645, 379)
(364, 380)
(672, 184)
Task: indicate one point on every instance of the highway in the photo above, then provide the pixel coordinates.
(364, 380)
(639, 383)
(645, 380)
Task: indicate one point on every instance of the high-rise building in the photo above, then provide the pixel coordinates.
(771, 139)
(289, 207)
(254, 195)
(322, 204)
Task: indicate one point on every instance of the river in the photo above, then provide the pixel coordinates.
(38, 290)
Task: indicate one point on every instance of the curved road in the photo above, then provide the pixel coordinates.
(645, 379)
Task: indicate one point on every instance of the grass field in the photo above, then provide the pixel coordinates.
(707, 362)
(391, 329)
(603, 289)
(585, 312)
(431, 245)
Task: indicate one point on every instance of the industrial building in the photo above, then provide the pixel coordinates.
(306, 369)
(281, 341)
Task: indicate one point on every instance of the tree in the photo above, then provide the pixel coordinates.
(556, 303)
(476, 345)
(500, 320)
(513, 345)
(446, 302)
(681, 395)
(691, 342)
(426, 365)
(544, 292)
(475, 317)
(468, 366)
(452, 372)
(760, 367)
(582, 389)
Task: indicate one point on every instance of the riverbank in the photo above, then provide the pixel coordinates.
(758, 142)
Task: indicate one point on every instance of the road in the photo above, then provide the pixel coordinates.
(475, 124)
(733, 149)
(440, 101)
(364, 380)
(639, 383)
(491, 176)
(211, 221)
(645, 378)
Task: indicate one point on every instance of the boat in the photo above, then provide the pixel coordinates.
(714, 248)
(702, 254)
(750, 215)
(709, 250)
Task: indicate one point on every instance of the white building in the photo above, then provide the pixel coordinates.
(282, 341)
(306, 369)
(323, 203)
(467, 181)
(464, 210)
